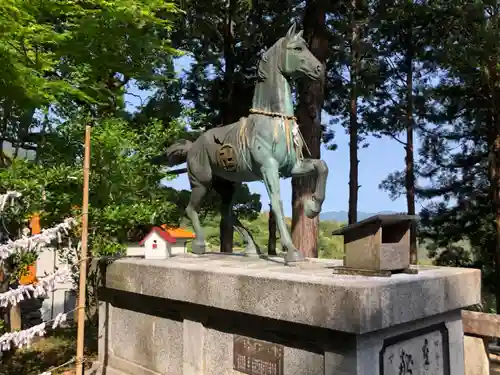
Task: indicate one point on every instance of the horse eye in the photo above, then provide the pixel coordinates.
(298, 49)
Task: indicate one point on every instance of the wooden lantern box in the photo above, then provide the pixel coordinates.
(378, 245)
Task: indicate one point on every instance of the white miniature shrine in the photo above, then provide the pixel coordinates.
(157, 244)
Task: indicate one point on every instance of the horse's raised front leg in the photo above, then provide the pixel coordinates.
(271, 179)
(307, 167)
(198, 192)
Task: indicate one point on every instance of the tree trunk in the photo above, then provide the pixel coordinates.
(305, 231)
(271, 242)
(227, 115)
(6, 112)
(496, 188)
(353, 120)
(4, 286)
(229, 64)
(410, 166)
(494, 178)
(494, 166)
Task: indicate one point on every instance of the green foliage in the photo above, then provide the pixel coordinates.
(356, 69)
(226, 39)
(454, 46)
(55, 349)
(399, 43)
(64, 58)
(125, 189)
(61, 59)
(54, 48)
(457, 152)
(329, 246)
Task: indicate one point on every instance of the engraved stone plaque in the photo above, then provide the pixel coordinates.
(423, 352)
(255, 357)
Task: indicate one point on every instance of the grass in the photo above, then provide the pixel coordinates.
(53, 350)
(330, 247)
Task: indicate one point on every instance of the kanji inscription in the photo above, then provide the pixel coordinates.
(256, 357)
(424, 354)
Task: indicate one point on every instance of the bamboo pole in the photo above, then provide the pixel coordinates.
(15, 318)
(83, 257)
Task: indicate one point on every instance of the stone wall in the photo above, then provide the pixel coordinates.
(171, 337)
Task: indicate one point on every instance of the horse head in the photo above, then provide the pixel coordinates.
(298, 60)
(291, 57)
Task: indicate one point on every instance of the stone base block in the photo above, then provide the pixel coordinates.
(211, 315)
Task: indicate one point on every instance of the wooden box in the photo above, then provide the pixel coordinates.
(379, 243)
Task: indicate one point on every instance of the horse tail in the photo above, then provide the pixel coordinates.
(177, 153)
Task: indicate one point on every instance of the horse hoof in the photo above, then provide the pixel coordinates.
(251, 250)
(311, 208)
(198, 248)
(294, 256)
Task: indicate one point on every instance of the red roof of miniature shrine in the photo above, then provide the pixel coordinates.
(178, 232)
(162, 233)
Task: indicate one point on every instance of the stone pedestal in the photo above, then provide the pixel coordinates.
(223, 314)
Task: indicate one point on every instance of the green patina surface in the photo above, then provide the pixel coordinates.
(264, 146)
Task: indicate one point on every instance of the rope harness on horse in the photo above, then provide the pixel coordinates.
(293, 129)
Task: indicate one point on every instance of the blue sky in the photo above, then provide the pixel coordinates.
(382, 157)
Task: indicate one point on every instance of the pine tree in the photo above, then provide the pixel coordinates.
(392, 113)
(355, 72)
(460, 154)
(225, 40)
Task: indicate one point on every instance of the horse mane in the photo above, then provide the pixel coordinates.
(269, 60)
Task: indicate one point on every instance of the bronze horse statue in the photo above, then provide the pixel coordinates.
(264, 146)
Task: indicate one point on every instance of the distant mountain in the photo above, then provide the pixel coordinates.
(341, 216)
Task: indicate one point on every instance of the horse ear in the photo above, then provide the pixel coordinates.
(299, 34)
(291, 31)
